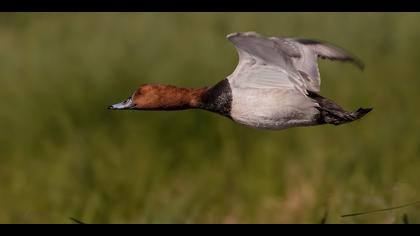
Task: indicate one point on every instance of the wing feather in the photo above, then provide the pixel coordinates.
(264, 62)
(288, 63)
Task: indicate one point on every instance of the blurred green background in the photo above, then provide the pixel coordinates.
(63, 154)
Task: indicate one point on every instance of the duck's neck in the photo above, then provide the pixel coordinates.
(168, 97)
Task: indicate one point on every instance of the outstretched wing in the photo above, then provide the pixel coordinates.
(311, 50)
(264, 62)
(326, 50)
(281, 62)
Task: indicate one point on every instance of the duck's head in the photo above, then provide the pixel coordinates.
(142, 98)
(159, 97)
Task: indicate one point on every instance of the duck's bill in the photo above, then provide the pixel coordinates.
(127, 104)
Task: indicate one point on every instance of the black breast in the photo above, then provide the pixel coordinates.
(218, 98)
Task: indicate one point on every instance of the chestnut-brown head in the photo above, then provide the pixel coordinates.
(160, 97)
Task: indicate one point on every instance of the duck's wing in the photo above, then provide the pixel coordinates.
(280, 62)
(264, 63)
(311, 50)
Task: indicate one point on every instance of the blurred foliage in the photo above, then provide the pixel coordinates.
(63, 154)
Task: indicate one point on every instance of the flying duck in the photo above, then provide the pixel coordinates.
(275, 85)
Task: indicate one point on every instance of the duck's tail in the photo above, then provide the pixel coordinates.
(361, 112)
(338, 117)
(332, 113)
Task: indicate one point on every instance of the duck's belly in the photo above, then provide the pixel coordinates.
(272, 108)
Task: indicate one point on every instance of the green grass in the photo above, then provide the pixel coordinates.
(63, 154)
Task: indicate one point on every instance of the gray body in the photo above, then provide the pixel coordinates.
(273, 108)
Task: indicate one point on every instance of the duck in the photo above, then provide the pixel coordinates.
(275, 85)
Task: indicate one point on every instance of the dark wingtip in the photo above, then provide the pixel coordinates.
(77, 221)
(357, 62)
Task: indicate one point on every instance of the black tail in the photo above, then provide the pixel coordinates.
(361, 112)
(332, 113)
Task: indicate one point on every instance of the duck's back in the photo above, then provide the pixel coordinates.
(272, 108)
